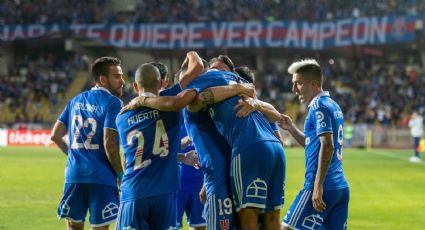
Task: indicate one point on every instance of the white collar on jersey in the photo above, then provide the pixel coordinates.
(148, 94)
(323, 93)
(100, 88)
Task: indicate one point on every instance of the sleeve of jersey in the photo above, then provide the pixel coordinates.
(112, 113)
(274, 126)
(202, 83)
(64, 116)
(172, 91)
(323, 120)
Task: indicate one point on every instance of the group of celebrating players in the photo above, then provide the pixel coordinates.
(205, 146)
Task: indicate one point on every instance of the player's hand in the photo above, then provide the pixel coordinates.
(248, 89)
(191, 158)
(246, 106)
(133, 104)
(317, 198)
(285, 122)
(203, 195)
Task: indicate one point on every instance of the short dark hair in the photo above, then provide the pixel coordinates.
(163, 69)
(245, 73)
(225, 59)
(311, 72)
(147, 76)
(101, 66)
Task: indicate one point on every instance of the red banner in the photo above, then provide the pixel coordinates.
(29, 137)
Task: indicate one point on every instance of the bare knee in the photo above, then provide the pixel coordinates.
(272, 220)
(248, 218)
(70, 225)
(106, 227)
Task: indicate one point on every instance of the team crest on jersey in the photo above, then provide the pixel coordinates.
(312, 222)
(224, 224)
(110, 210)
(257, 189)
(65, 208)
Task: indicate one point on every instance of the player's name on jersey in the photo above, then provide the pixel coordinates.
(86, 107)
(153, 114)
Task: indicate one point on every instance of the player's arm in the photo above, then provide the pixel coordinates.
(189, 158)
(249, 105)
(58, 132)
(220, 93)
(325, 158)
(194, 68)
(111, 145)
(285, 122)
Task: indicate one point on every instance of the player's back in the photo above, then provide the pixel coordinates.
(240, 133)
(213, 151)
(86, 115)
(151, 141)
(324, 115)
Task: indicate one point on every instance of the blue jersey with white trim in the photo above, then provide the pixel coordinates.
(151, 141)
(191, 178)
(240, 133)
(85, 116)
(324, 116)
(213, 151)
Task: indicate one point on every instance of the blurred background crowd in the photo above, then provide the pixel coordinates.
(374, 85)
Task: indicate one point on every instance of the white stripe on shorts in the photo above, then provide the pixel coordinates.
(300, 207)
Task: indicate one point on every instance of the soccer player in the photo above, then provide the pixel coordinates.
(323, 202)
(257, 183)
(93, 153)
(249, 105)
(212, 148)
(191, 181)
(150, 140)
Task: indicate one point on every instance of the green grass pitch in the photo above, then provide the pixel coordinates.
(387, 191)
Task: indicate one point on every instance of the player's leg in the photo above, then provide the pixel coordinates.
(133, 215)
(249, 184)
(163, 213)
(301, 215)
(182, 203)
(276, 186)
(103, 205)
(219, 212)
(337, 219)
(194, 212)
(74, 205)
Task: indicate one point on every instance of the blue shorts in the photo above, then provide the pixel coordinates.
(258, 177)
(219, 212)
(101, 200)
(188, 201)
(157, 212)
(302, 215)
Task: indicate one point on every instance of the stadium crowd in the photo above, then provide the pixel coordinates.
(98, 11)
(37, 80)
(371, 91)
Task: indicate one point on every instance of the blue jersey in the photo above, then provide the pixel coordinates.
(191, 178)
(240, 133)
(324, 116)
(151, 141)
(85, 116)
(213, 151)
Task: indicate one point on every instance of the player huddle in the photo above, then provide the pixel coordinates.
(210, 120)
